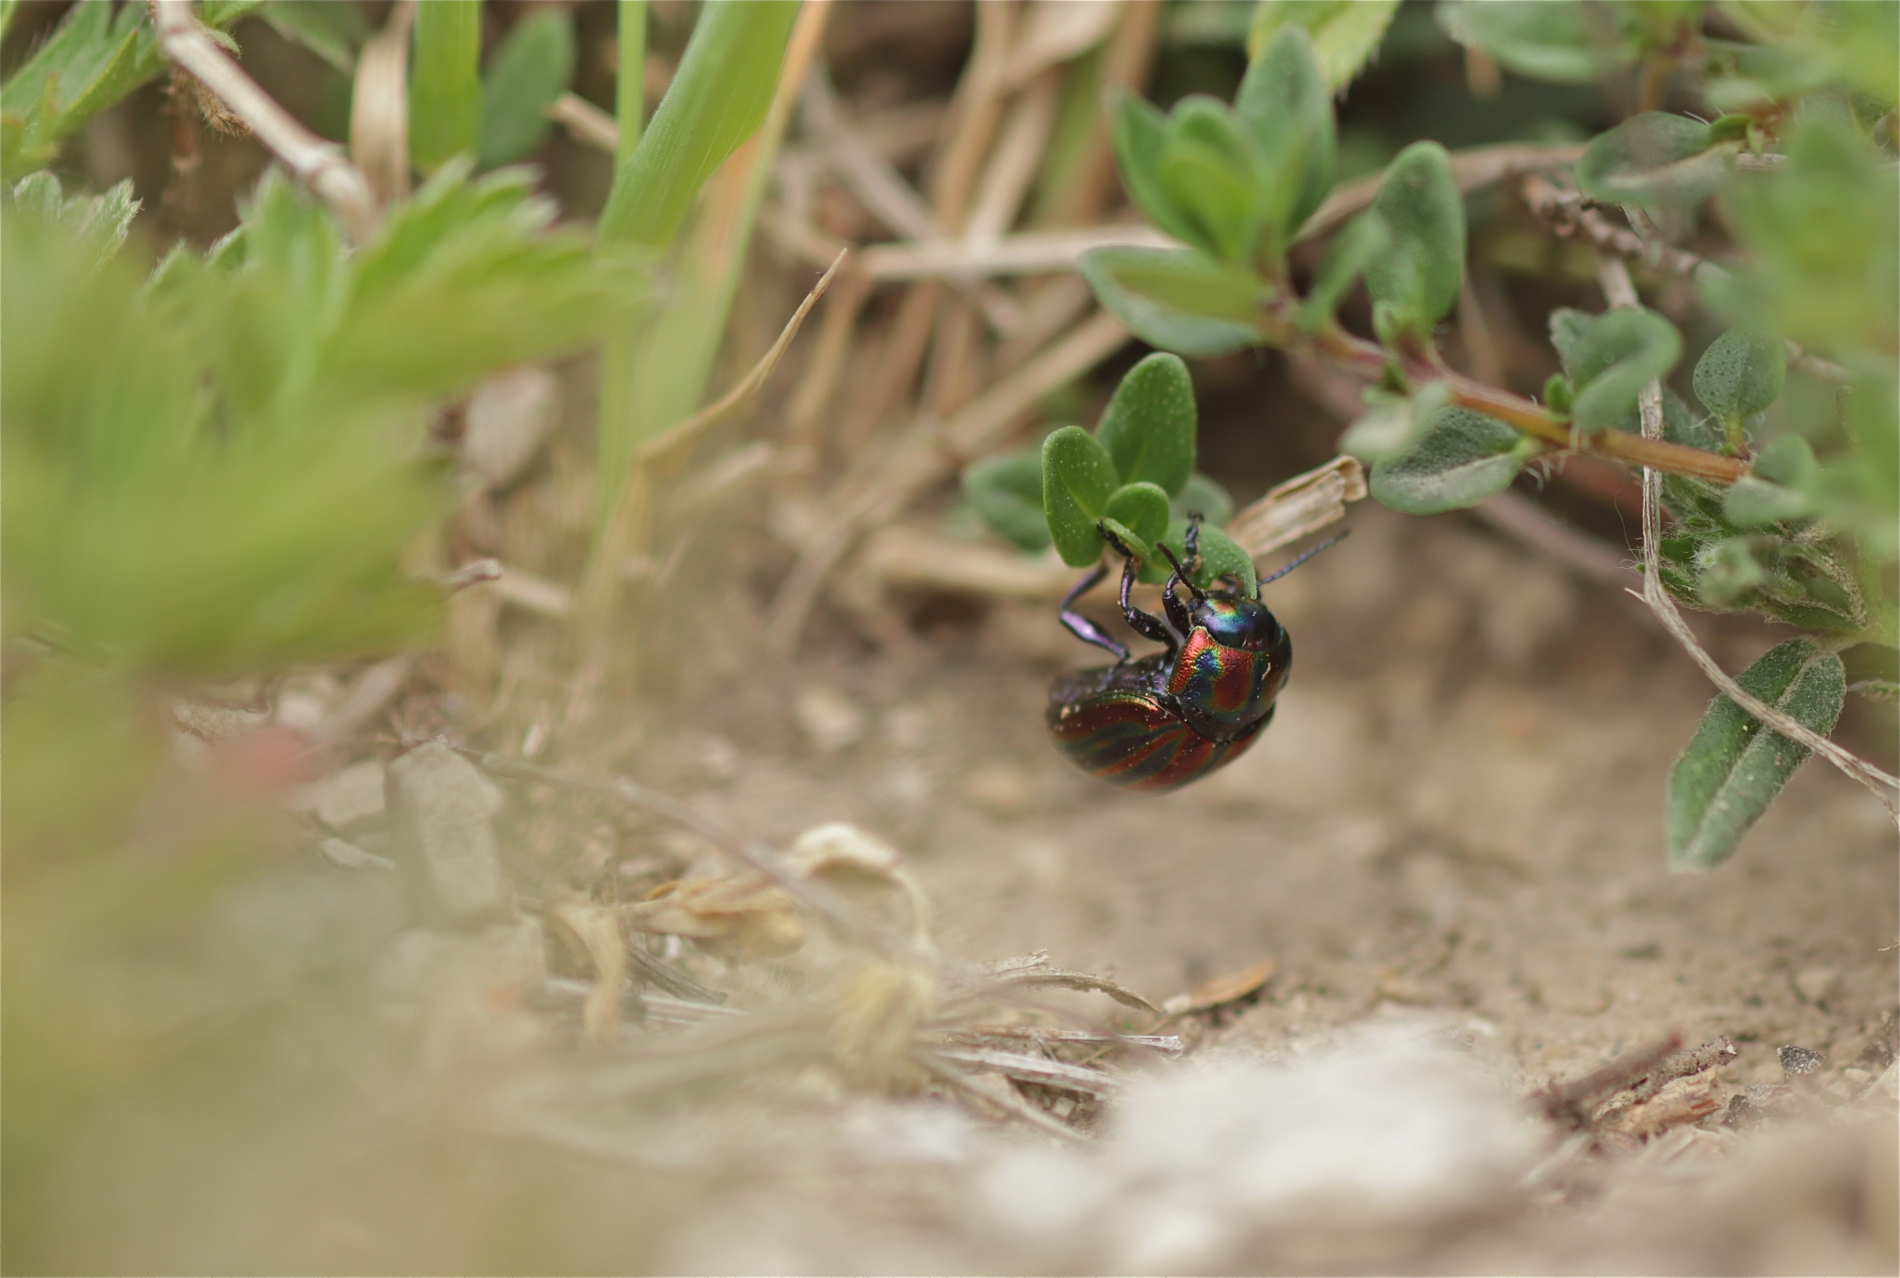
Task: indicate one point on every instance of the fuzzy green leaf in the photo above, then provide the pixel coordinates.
(1221, 557)
(1286, 104)
(1613, 358)
(718, 97)
(1740, 375)
(1148, 426)
(1141, 139)
(1180, 300)
(1078, 477)
(1142, 509)
(1345, 33)
(530, 70)
(1734, 767)
(1383, 429)
(1006, 492)
(1458, 459)
(1362, 240)
(1561, 43)
(99, 221)
(1208, 173)
(1416, 277)
(1657, 160)
(1205, 497)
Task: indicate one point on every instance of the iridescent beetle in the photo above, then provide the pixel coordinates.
(1157, 723)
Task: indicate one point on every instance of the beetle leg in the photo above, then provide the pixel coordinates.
(1177, 611)
(1081, 627)
(1147, 625)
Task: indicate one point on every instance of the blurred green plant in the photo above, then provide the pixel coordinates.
(1784, 504)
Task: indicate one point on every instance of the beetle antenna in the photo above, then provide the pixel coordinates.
(1330, 541)
(1180, 572)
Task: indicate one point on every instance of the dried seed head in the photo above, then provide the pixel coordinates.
(877, 1017)
(736, 918)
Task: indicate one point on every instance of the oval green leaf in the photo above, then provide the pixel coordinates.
(1141, 509)
(1740, 374)
(1417, 276)
(1148, 426)
(1141, 136)
(530, 70)
(1180, 300)
(1613, 358)
(1286, 105)
(1459, 458)
(1006, 492)
(1205, 497)
(1560, 43)
(1734, 767)
(1362, 240)
(1077, 478)
(1656, 159)
(1345, 33)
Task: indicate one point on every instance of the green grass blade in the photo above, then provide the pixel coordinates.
(718, 97)
(445, 91)
(630, 85)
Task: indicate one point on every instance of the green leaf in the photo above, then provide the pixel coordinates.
(1286, 104)
(1613, 358)
(1362, 240)
(1148, 426)
(1417, 276)
(1078, 477)
(98, 221)
(1383, 429)
(1180, 300)
(1752, 502)
(445, 96)
(1740, 375)
(1680, 425)
(1208, 175)
(1561, 43)
(1734, 767)
(98, 54)
(1141, 509)
(530, 70)
(1141, 139)
(1459, 458)
(1345, 33)
(1006, 492)
(1727, 571)
(1120, 537)
(1656, 160)
(1205, 497)
(334, 32)
(1220, 557)
(1820, 237)
(718, 98)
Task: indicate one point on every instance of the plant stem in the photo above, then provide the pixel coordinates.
(630, 83)
(1369, 361)
(445, 100)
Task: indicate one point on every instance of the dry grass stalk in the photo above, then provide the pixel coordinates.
(1299, 507)
(1621, 293)
(593, 930)
(312, 159)
(379, 107)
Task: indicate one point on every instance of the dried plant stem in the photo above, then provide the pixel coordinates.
(1620, 292)
(319, 163)
(594, 601)
(928, 457)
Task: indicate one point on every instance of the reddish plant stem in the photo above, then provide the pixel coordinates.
(1368, 360)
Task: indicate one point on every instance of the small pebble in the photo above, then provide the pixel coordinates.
(1817, 984)
(829, 719)
(1799, 1061)
(351, 857)
(350, 798)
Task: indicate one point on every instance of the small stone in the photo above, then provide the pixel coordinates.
(351, 857)
(508, 417)
(443, 808)
(999, 790)
(1799, 1061)
(1817, 985)
(352, 798)
(830, 720)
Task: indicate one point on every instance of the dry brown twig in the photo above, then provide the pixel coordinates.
(1620, 292)
(319, 163)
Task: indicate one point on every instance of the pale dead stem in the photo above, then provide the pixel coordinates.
(1621, 293)
(1568, 212)
(321, 164)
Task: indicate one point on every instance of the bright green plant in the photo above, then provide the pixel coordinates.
(1782, 502)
